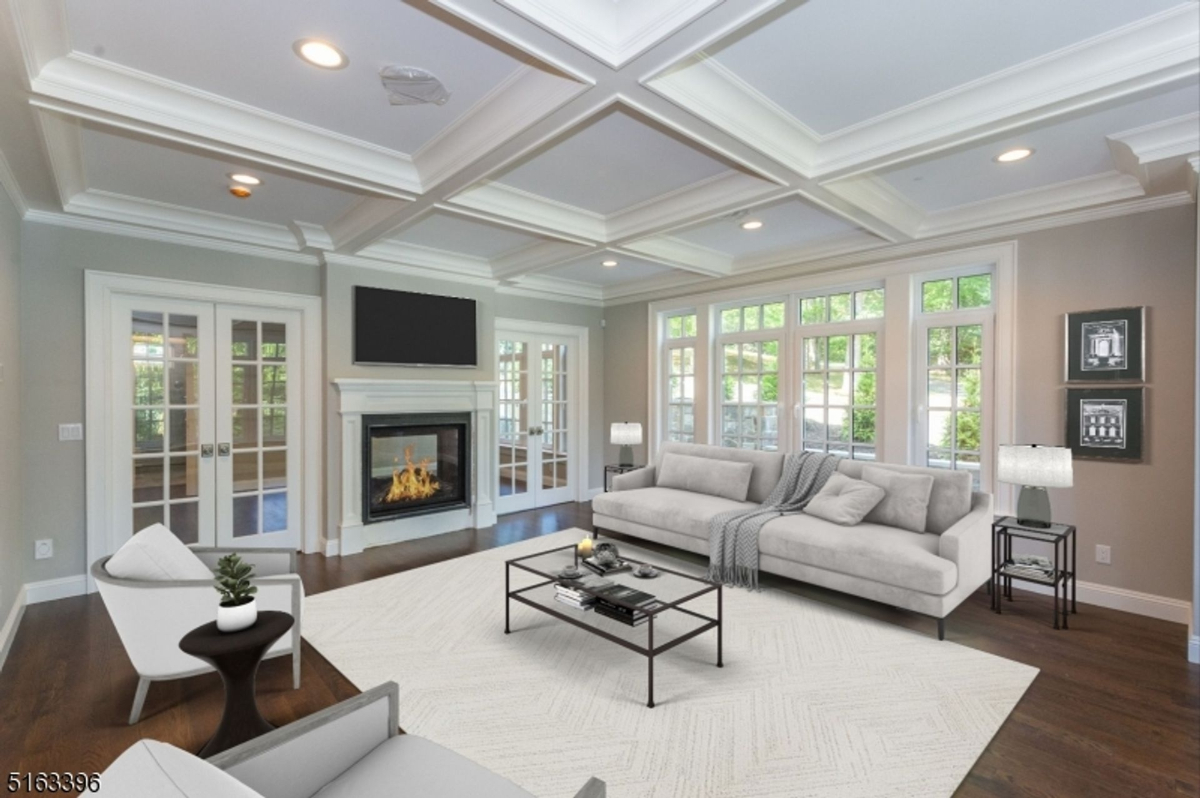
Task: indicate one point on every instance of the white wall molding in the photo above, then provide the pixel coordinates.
(8, 632)
(55, 589)
(1118, 598)
(8, 182)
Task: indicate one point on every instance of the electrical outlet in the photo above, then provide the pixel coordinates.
(43, 549)
(70, 432)
(1104, 554)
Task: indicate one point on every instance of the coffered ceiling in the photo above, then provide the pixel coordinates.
(584, 131)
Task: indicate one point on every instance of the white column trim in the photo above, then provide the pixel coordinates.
(1194, 621)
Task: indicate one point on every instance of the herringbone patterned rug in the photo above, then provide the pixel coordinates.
(813, 700)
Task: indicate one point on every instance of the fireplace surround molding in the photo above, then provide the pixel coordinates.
(369, 397)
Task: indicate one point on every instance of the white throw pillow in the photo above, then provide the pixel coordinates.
(844, 501)
(150, 769)
(724, 478)
(906, 504)
(156, 555)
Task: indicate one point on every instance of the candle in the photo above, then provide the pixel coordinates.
(585, 547)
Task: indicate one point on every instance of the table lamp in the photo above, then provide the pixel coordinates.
(1035, 468)
(626, 434)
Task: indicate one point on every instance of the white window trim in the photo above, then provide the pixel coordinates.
(850, 328)
(899, 321)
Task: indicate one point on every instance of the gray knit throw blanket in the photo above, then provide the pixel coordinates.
(733, 536)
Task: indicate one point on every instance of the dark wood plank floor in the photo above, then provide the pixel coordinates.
(1115, 711)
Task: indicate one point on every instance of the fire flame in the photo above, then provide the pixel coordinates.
(412, 481)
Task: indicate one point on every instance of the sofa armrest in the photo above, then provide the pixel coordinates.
(632, 480)
(593, 789)
(296, 760)
(266, 562)
(968, 543)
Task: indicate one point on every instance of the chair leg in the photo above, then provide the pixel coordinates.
(941, 628)
(139, 698)
(296, 666)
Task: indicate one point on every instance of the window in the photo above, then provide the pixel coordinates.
(750, 318)
(748, 346)
(845, 306)
(840, 394)
(956, 293)
(681, 378)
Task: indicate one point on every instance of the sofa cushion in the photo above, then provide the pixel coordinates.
(906, 500)
(666, 508)
(844, 501)
(706, 475)
(882, 554)
(155, 555)
(150, 769)
(407, 766)
(768, 466)
(949, 500)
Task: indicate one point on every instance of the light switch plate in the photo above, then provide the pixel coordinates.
(70, 432)
(43, 549)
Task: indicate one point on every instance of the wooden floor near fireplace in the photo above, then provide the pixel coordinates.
(1115, 711)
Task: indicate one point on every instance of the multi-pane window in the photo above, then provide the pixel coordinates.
(840, 394)
(748, 346)
(841, 306)
(956, 293)
(681, 378)
(750, 318)
(954, 397)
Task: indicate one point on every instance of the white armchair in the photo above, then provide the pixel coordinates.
(152, 616)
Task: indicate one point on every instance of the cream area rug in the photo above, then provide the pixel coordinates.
(813, 700)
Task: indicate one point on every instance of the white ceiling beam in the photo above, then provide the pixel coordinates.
(537, 257)
(682, 255)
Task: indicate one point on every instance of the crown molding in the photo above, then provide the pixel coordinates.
(527, 211)
(118, 228)
(536, 257)
(406, 267)
(668, 284)
(429, 258)
(63, 144)
(8, 182)
(880, 200)
(544, 287)
(311, 236)
(680, 254)
(41, 30)
(706, 199)
(1135, 151)
(830, 247)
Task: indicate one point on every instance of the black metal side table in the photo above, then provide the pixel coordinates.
(236, 656)
(1004, 570)
(617, 469)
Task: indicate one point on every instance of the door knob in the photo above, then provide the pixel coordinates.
(206, 450)
(223, 449)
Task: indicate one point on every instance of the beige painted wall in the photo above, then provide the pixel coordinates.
(1143, 511)
(53, 260)
(13, 551)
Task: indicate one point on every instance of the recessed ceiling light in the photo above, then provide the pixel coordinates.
(245, 179)
(608, 263)
(1015, 154)
(319, 53)
(752, 224)
(241, 192)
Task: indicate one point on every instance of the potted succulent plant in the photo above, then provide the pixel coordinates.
(238, 609)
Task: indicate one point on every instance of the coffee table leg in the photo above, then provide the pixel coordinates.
(507, 599)
(650, 646)
(720, 626)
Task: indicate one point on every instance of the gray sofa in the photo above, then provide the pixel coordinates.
(350, 750)
(929, 572)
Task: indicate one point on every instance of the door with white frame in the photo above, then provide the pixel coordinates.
(539, 421)
(204, 420)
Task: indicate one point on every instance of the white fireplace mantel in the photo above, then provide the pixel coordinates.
(359, 397)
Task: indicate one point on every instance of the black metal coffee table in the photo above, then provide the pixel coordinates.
(673, 588)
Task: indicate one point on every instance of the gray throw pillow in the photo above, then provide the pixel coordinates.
(906, 503)
(844, 501)
(708, 475)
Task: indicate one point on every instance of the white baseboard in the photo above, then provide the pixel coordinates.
(54, 589)
(1194, 649)
(331, 547)
(9, 632)
(593, 493)
(1117, 598)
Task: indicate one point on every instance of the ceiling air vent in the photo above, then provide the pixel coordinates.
(412, 86)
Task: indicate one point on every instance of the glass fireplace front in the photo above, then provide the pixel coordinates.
(415, 464)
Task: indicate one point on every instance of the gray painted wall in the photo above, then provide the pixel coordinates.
(1143, 511)
(13, 551)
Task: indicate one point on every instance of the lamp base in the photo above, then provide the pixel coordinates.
(625, 456)
(1033, 507)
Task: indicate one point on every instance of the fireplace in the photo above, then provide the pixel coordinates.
(415, 464)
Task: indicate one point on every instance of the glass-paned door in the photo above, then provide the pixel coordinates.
(257, 427)
(163, 416)
(537, 438)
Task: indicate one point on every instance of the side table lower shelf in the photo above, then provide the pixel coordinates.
(1059, 578)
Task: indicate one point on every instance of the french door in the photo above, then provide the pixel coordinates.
(205, 421)
(536, 420)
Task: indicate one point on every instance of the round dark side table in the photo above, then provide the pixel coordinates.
(236, 656)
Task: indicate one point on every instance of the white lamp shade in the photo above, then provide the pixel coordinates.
(1036, 466)
(626, 433)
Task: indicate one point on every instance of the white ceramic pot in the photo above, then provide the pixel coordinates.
(235, 619)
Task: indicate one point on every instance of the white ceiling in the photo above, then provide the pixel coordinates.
(612, 163)
(582, 128)
(136, 167)
(834, 63)
(243, 51)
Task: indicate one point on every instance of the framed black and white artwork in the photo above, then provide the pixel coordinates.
(1106, 423)
(1106, 345)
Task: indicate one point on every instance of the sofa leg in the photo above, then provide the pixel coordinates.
(941, 628)
(139, 698)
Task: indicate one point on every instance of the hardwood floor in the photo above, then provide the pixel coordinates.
(1115, 711)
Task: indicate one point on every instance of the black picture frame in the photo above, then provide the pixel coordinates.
(1106, 423)
(1106, 345)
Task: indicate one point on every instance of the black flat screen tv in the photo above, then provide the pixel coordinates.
(401, 328)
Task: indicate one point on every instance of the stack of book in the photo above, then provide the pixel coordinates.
(568, 592)
(603, 570)
(633, 606)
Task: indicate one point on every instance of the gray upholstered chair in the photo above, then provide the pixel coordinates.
(152, 616)
(350, 750)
